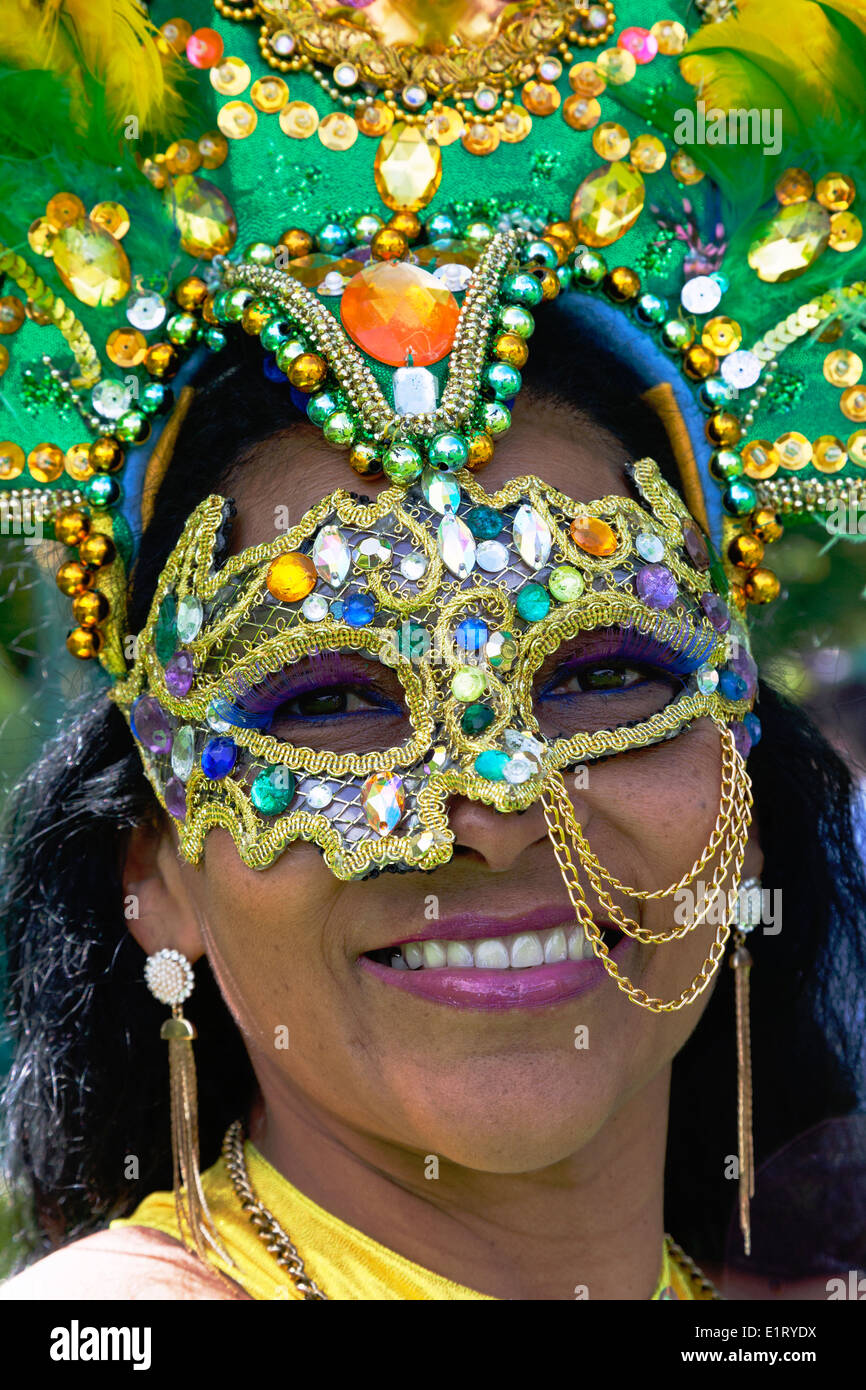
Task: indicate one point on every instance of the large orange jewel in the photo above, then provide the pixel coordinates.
(392, 310)
(593, 535)
(291, 576)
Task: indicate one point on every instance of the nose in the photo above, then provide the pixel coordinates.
(496, 838)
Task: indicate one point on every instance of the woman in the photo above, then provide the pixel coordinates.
(486, 1147)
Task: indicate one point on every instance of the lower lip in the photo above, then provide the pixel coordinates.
(531, 988)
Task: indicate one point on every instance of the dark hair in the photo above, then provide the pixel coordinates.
(88, 1086)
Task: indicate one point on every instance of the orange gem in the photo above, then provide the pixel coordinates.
(392, 309)
(291, 577)
(593, 535)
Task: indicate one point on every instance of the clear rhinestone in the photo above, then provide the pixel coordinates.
(516, 741)
(183, 752)
(373, 552)
(454, 277)
(331, 556)
(519, 769)
(415, 390)
(532, 537)
(314, 608)
(707, 678)
(441, 492)
(111, 399)
(649, 546)
(189, 618)
(456, 546)
(216, 721)
(413, 565)
(319, 796)
(492, 556)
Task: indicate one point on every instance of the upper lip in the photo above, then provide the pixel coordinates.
(474, 926)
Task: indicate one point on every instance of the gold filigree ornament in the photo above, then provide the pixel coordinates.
(405, 581)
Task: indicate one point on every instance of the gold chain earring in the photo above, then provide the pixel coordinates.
(169, 978)
(747, 915)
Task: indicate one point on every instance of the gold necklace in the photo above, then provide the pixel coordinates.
(285, 1252)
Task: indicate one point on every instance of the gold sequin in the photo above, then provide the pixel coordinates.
(586, 80)
(299, 120)
(339, 131)
(182, 157)
(230, 77)
(541, 98)
(721, 335)
(480, 138)
(846, 231)
(64, 209)
(77, 462)
(515, 124)
(11, 460)
(648, 154)
(843, 367)
(670, 35)
(828, 454)
(40, 235)
(684, 168)
(237, 120)
(836, 192)
(794, 186)
(581, 112)
(213, 148)
(760, 459)
(113, 217)
(852, 403)
(445, 126)
(126, 347)
(373, 117)
(269, 94)
(856, 448)
(45, 463)
(617, 65)
(794, 450)
(611, 141)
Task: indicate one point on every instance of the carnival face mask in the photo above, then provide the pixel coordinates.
(439, 609)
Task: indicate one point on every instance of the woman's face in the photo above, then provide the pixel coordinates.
(493, 1089)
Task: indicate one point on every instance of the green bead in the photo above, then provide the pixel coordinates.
(133, 427)
(541, 253)
(182, 329)
(448, 452)
(495, 417)
(288, 350)
(478, 234)
(333, 237)
(321, 407)
(274, 333)
(715, 392)
(258, 253)
(215, 338)
(476, 718)
(165, 631)
(340, 429)
(677, 335)
(491, 765)
(440, 225)
(102, 490)
(485, 523)
(650, 309)
(566, 583)
(272, 790)
(468, 683)
(155, 398)
(533, 603)
(220, 306)
(403, 462)
(589, 269)
(365, 227)
(515, 319)
(522, 288)
(504, 381)
(236, 301)
(565, 275)
(725, 465)
(739, 498)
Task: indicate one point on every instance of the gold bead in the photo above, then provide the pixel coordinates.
(97, 550)
(85, 642)
(73, 578)
(297, 242)
(561, 247)
(723, 427)
(480, 451)
(407, 223)
(12, 313)
(90, 608)
(254, 317)
(365, 459)
(509, 348)
(564, 232)
(71, 527)
(622, 283)
(307, 371)
(746, 551)
(699, 363)
(191, 293)
(106, 454)
(761, 586)
(389, 245)
(162, 360)
(550, 285)
(766, 525)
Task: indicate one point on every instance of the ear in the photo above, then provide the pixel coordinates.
(160, 911)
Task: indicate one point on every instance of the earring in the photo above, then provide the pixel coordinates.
(169, 977)
(747, 915)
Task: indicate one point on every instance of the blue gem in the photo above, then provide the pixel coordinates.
(358, 610)
(484, 522)
(491, 765)
(271, 370)
(337, 608)
(732, 686)
(471, 634)
(218, 758)
(753, 724)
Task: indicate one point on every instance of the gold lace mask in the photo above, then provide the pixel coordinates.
(448, 615)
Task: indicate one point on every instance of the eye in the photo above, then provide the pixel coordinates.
(316, 704)
(591, 678)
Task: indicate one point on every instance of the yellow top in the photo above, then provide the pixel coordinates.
(345, 1263)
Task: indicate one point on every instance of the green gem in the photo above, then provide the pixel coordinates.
(476, 718)
(182, 329)
(133, 427)
(590, 269)
(566, 583)
(215, 338)
(485, 523)
(495, 417)
(533, 603)
(236, 301)
(739, 498)
(403, 462)
(165, 632)
(491, 765)
(412, 641)
(448, 452)
(272, 790)
(504, 381)
(339, 429)
(102, 491)
(288, 350)
(156, 397)
(522, 288)
(515, 319)
(321, 407)
(258, 253)
(274, 333)
(725, 465)
(468, 683)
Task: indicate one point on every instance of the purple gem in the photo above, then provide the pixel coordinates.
(746, 666)
(656, 586)
(742, 739)
(716, 612)
(696, 546)
(150, 725)
(175, 798)
(179, 672)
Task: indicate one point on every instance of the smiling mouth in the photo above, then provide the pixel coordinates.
(519, 951)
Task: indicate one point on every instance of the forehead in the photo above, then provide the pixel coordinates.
(281, 478)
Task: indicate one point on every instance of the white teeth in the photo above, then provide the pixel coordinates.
(526, 950)
(521, 951)
(555, 947)
(491, 955)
